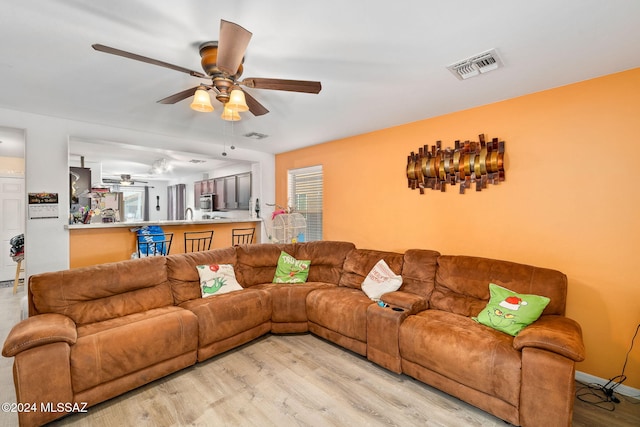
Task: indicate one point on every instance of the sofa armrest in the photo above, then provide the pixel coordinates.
(412, 303)
(558, 334)
(39, 330)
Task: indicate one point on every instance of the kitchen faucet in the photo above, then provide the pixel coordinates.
(188, 214)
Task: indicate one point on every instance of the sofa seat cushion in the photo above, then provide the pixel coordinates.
(289, 301)
(114, 348)
(224, 316)
(464, 351)
(340, 309)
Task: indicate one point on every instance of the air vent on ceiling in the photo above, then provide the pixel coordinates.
(255, 135)
(196, 161)
(473, 66)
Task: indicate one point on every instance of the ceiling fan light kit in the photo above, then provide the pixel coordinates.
(125, 180)
(201, 100)
(222, 61)
(230, 114)
(237, 101)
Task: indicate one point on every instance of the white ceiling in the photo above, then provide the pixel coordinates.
(381, 64)
(110, 159)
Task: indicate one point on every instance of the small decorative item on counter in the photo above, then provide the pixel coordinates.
(108, 215)
(83, 216)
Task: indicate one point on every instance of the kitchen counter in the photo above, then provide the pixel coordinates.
(160, 223)
(91, 244)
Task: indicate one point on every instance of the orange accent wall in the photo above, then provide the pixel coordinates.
(571, 199)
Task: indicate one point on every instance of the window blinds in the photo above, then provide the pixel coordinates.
(305, 195)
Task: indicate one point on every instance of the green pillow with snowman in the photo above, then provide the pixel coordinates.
(510, 312)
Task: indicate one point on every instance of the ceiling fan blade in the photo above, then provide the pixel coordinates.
(255, 107)
(232, 44)
(129, 55)
(176, 97)
(281, 84)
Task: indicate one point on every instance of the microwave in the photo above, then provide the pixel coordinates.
(208, 202)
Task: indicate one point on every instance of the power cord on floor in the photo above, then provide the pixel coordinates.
(604, 396)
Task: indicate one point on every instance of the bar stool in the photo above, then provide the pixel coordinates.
(154, 244)
(196, 241)
(241, 236)
(19, 269)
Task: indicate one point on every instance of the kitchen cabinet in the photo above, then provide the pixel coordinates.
(232, 192)
(243, 190)
(220, 194)
(211, 187)
(200, 188)
(197, 192)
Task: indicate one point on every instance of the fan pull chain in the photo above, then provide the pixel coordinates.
(233, 147)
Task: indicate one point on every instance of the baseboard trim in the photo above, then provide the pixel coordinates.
(622, 389)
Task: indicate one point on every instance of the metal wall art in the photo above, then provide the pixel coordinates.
(469, 162)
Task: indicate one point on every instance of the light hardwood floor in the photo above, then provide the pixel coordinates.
(292, 380)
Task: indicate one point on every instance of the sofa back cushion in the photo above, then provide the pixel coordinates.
(256, 263)
(183, 275)
(102, 292)
(359, 263)
(419, 272)
(327, 259)
(462, 284)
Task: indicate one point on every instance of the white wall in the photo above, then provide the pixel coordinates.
(46, 157)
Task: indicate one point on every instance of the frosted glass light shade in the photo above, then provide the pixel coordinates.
(237, 101)
(230, 115)
(202, 101)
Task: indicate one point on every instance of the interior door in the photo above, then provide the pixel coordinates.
(12, 221)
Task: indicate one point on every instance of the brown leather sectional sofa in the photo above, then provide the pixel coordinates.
(97, 332)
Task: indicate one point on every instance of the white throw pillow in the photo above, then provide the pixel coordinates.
(216, 279)
(381, 280)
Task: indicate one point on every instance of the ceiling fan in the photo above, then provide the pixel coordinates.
(222, 62)
(125, 179)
